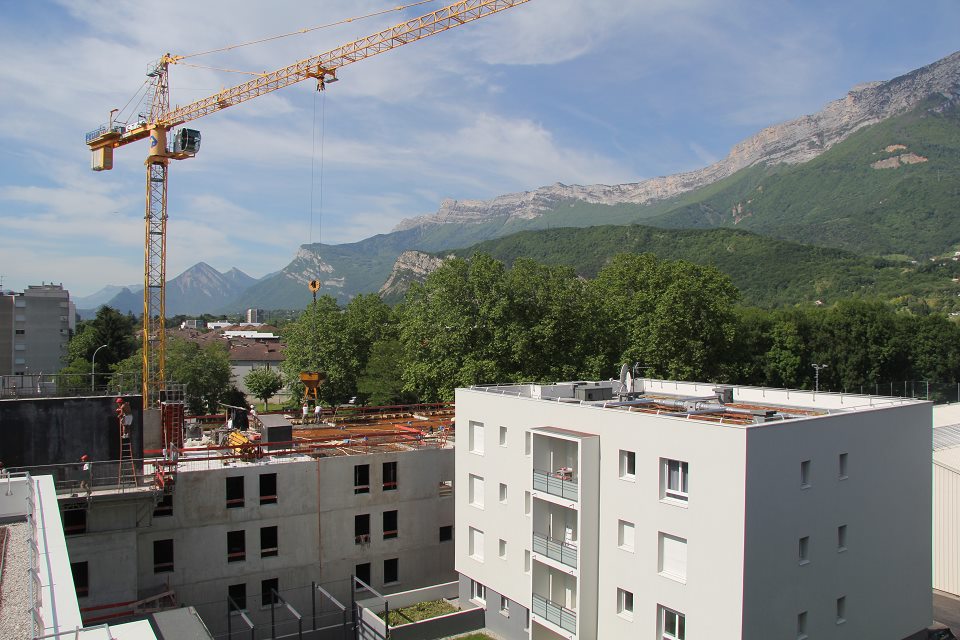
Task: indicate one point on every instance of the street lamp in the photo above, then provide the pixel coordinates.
(816, 375)
(93, 364)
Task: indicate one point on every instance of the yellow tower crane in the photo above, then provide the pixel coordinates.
(162, 119)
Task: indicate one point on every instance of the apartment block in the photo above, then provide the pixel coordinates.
(674, 510)
(35, 328)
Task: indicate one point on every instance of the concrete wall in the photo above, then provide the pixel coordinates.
(884, 501)
(946, 524)
(59, 430)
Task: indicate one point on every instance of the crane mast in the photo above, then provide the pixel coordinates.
(162, 119)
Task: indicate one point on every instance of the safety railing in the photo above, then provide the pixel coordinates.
(550, 611)
(559, 550)
(556, 484)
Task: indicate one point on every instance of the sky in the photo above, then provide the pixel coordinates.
(571, 91)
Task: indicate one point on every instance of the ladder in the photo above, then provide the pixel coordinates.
(127, 472)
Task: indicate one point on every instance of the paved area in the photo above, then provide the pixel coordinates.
(946, 610)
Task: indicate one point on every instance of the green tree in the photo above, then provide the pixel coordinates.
(381, 382)
(263, 383)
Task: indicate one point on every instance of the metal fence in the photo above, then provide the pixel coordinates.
(554, 485)
(937, 392)
(59, 385)
(553, 612)
(564, 552)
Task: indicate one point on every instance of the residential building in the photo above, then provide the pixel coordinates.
(676, 511)
(35, 328)
(254, 315)
(946, 498)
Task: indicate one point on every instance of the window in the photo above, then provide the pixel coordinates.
(361, 478)
(526, 503)
(802, 625)
(391, 570)
(268, 588)
(628, 465)
(805, 550)
(162, 556)
(625, 603)
(81, 578)
(526, 623)
(362, 571)
(476, 491)
(361, 529)
(268, 488)
(805, 474)
(74, 521)
(237, 597)
(236, 546)
(841, 609)
(843, 466)
(625, 535)
(389, 476)
(478, 592)
(673, 557)
(235, 492)
(475, 541)
(164, 507)
(476, 437)
(672, 625)
(446, 533)
(502, 549)
(268, 542)
(527, 442)
(445, 488)
(504, 606)
(526, 561)
(389, 524)
(674, 480)
(503, 436)
(20, 332)
(503, 493)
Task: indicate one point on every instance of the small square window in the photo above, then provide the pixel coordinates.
(841, 609)
(269, 589)
(502, 552)
(475, 542)
(446, 533)
(504, 606)
(805, 474)
(362, 572)
(361, 529)
(390, 528)
(503, 436)
(804, 550)
(625, 535)
(268, 488)
(361, 478)
(802, 625)
(269, 546)
(673, 481)
(163, 556)
(842, 538)
(628, 465)
(503, 493)
(81, 578)
(237, 597)
(236, 546)
(672, 625)
(843, 466)
(475, 430)
(234, 486)
(478, 592)
(390, 476)
(475, 487)
(391, 570)
(625, 603)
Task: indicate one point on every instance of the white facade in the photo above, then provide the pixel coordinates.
(781, 514)
(946, 498)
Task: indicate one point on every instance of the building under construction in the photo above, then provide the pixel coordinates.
(264, 527)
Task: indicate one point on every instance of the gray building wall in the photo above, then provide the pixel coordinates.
(6, 333)
(510, 625)
(38, 326)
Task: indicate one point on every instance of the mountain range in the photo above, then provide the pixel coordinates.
(873, 173)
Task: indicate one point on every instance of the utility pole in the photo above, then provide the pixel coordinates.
(816, 375)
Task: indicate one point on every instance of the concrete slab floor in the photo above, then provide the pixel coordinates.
(946, 610)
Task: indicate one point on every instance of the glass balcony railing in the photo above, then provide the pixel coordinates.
(564, 552)
(552, 612)
(557, 483)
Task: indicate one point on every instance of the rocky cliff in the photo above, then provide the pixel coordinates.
(411, 266)
(792, 142)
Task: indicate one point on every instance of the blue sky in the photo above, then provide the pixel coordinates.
(572, 91)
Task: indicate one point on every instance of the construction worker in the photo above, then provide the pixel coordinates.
(305, 411)
(316, 413)
(86, 478)
(124, 417)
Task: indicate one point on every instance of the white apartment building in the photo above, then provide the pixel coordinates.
(677, 511)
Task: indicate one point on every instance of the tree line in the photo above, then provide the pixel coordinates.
(476, 321)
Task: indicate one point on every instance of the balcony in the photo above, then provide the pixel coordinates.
(554, 613)
(558, 483)
(559, 550)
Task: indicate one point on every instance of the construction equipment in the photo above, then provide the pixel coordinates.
(161, 121)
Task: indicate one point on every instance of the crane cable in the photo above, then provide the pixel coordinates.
(176, 59)
(313, 156)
